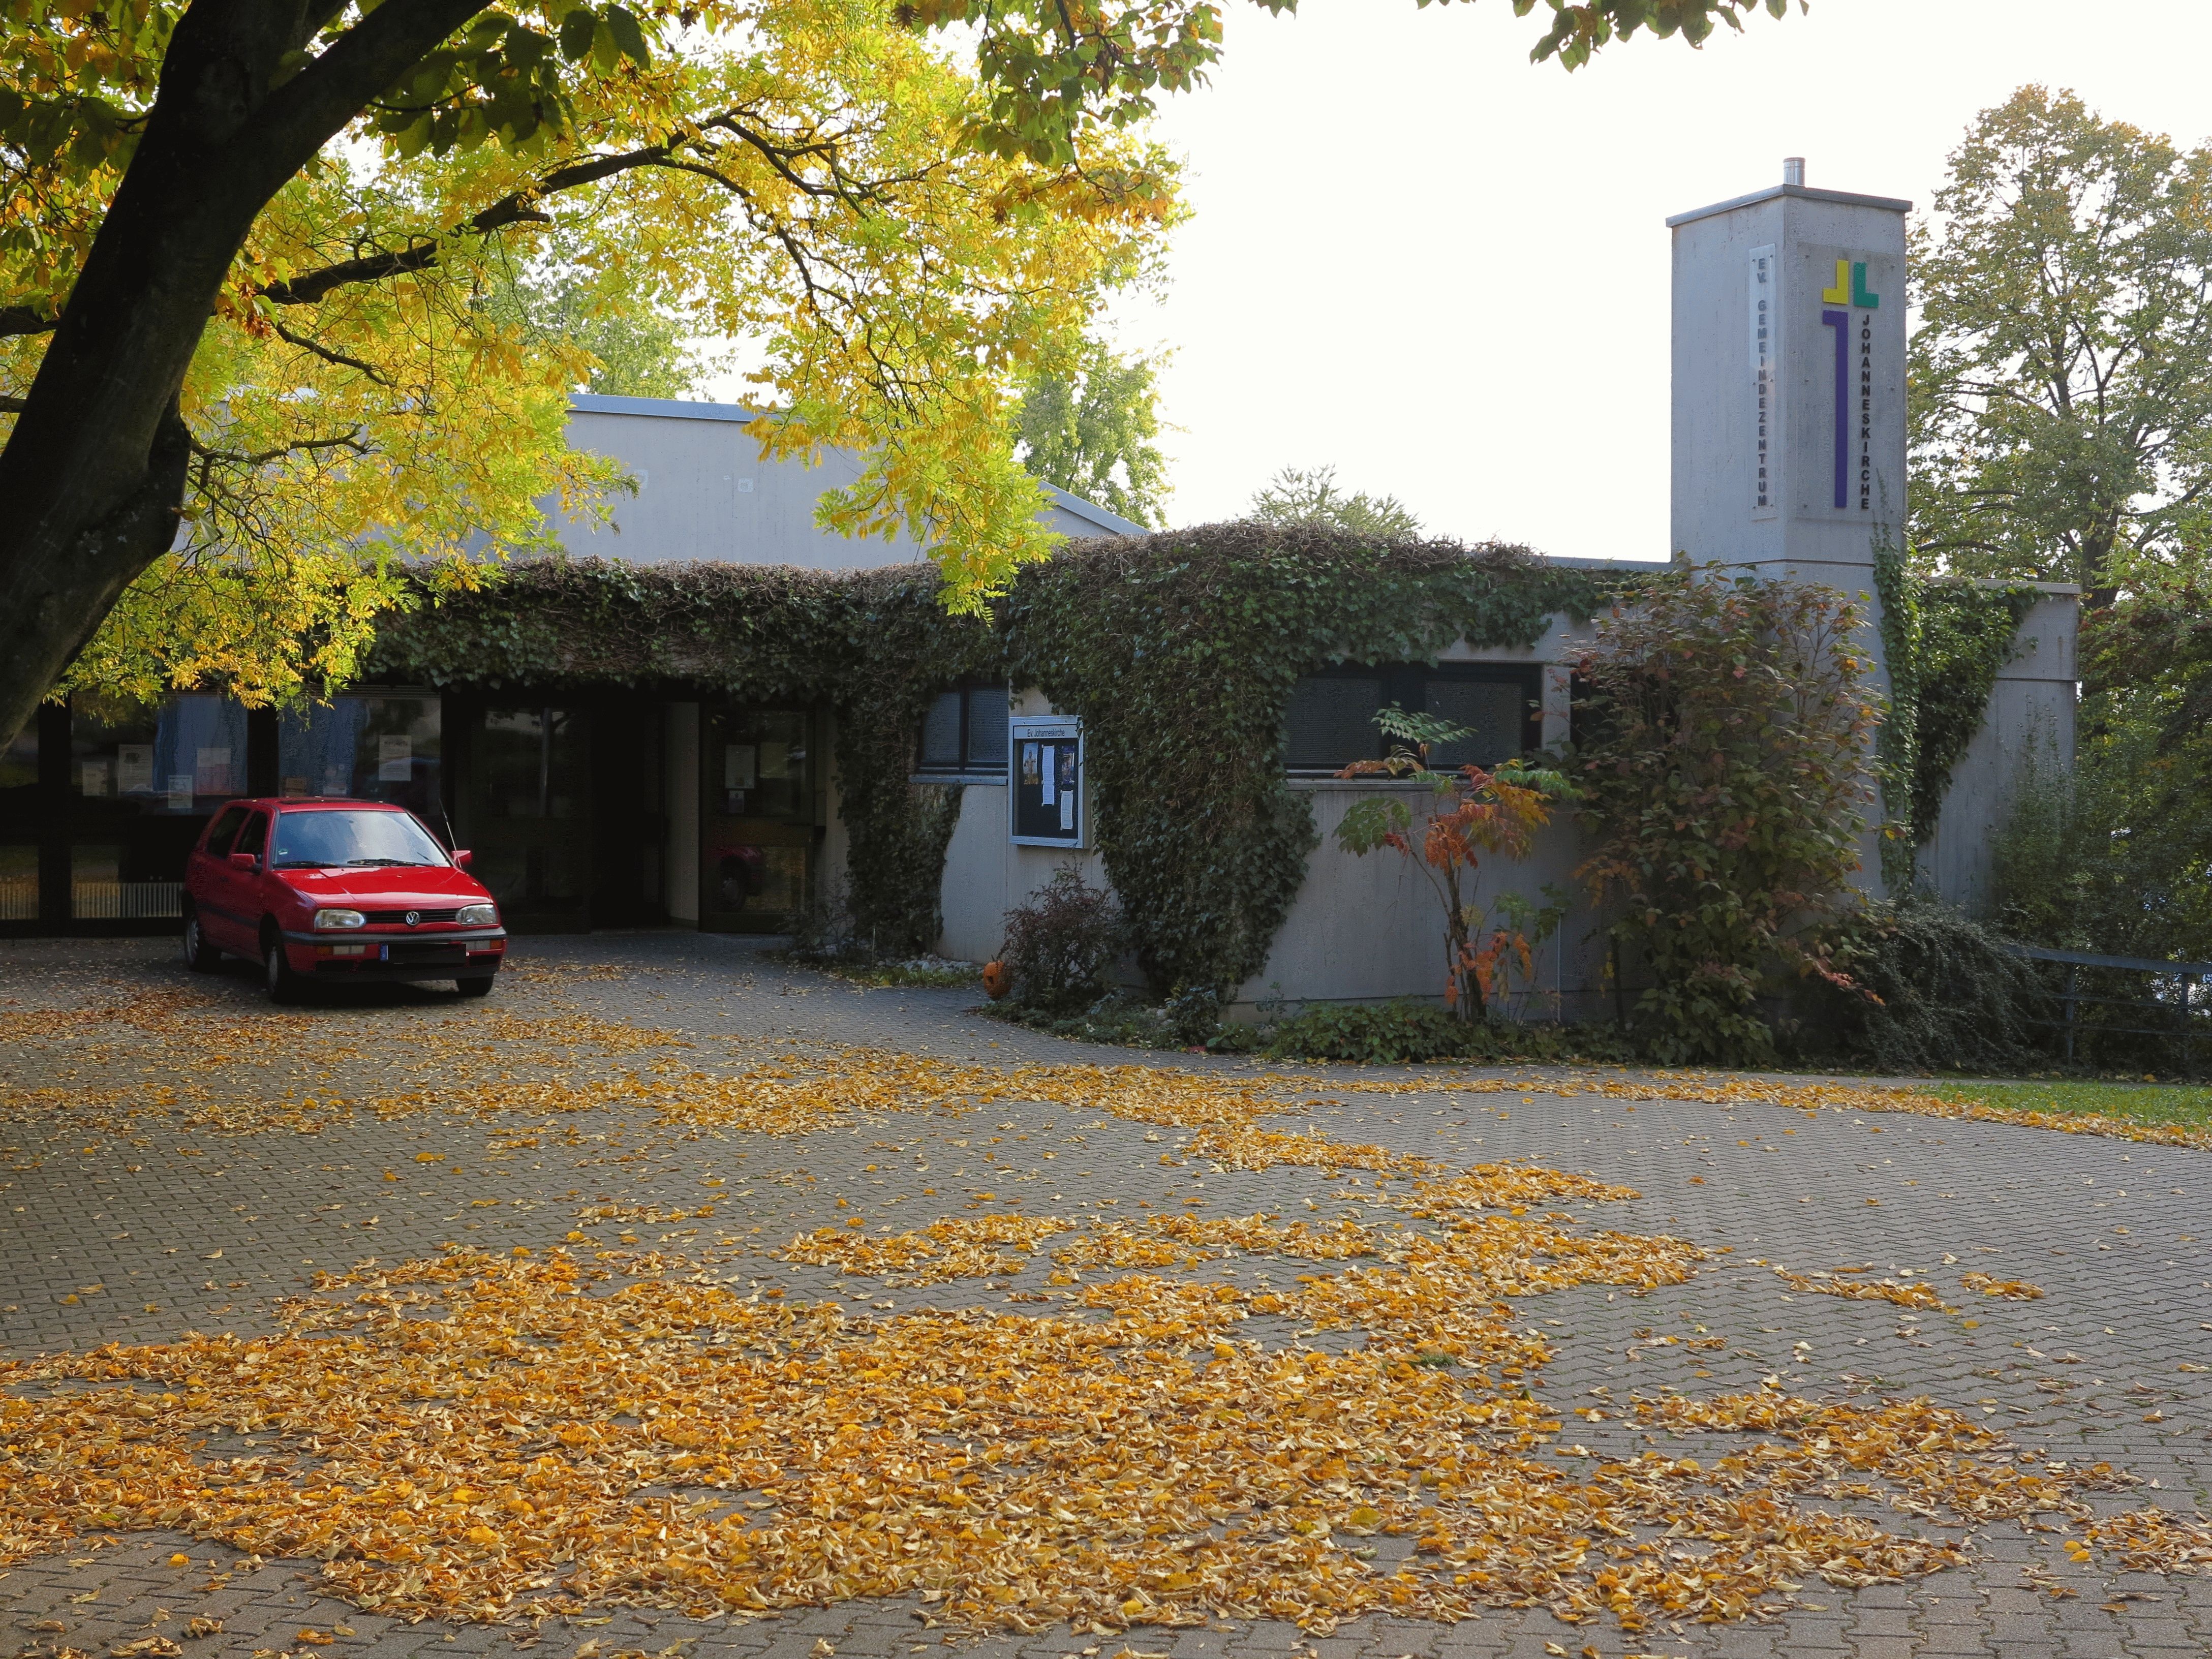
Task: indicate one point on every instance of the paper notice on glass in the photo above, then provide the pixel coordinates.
(337, 779)
(95, 777)
(1029, 762)
(1067, 809)
(1049, 775)
(180, 791)
(774, 760)
(134, 769)
(1067, 770)
(395, 758)
(740, 765)
(211, 772)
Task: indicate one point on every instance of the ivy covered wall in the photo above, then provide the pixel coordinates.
(873, 646)
(1180, 650)
(1944, 640)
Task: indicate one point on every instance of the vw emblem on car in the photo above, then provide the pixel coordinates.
(413, 917)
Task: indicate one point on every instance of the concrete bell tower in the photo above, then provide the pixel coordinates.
(1788, 391)
(1789, 381)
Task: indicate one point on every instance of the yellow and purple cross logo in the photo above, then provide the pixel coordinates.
(1849, 289)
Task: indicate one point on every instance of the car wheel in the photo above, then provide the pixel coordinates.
(200, 957)
(284, 984)
(478, 986)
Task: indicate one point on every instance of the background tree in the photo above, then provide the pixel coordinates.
(1090, 429)
(1297, 495)
(2061, 376)
(639, 347)
(149, 148)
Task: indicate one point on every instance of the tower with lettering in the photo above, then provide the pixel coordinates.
(1788, 387)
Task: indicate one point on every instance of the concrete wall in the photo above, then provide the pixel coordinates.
(2031, 713)
(1364, 929)
(705, 491)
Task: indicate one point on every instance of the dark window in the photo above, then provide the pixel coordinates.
(1332, 715)
(965, 732)
(256, 836)
(225, 831)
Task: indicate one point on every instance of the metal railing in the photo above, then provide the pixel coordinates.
(2190, 975)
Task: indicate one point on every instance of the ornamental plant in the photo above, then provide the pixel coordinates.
(1062, 942)
(1727, 763)
(1471, 814)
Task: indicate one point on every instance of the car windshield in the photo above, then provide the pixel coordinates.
(322, 840)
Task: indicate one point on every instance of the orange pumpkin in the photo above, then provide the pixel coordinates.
(997, 980)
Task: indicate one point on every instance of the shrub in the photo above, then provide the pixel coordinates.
(1472, 814)
(1943, 994)
(1060, 943)
(1402, 1032)
(1389, 1034)
(1726, 763)
(823, 930)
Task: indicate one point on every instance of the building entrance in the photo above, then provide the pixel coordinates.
(762, 818)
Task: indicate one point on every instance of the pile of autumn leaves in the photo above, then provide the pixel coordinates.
(496, 1437)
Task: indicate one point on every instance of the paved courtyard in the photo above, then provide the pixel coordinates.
(175, 1156)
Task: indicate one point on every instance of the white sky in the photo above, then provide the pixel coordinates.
(1444, 269)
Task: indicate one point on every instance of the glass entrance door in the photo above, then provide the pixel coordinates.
(527, 809)
(759, 815)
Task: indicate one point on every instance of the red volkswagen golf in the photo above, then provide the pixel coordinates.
(336, 891)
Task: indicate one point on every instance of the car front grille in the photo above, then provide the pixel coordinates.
(396, 918)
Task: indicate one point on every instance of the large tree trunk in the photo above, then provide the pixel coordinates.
(94, 473)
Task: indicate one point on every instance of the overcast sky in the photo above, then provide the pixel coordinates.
(1444, 269)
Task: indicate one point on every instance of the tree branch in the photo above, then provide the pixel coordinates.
(262, 458)
(28, 319)
(520, 206)
(330, 354)
(301, 116)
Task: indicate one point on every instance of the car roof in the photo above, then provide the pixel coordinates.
(317, 803)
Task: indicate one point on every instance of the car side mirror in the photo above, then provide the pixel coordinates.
(461, 857)
(243, 860)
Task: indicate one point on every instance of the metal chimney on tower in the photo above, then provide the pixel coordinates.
(1793, 170)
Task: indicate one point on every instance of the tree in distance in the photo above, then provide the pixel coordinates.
(245, 248)
(1091, 426)
(1309, 495)
(2061, 376)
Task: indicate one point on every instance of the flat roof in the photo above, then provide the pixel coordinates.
(667, 409)
(1804, 192)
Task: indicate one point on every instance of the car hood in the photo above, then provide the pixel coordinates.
(420, 888)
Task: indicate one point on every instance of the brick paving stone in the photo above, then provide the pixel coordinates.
(112, 1237)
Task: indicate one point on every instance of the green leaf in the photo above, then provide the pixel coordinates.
(577, 29)
(623, 26)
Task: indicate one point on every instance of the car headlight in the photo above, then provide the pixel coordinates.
(340, 919)
(478, 915)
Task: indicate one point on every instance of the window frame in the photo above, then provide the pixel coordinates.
(224, 828)
(1406, 685)
(968, 767)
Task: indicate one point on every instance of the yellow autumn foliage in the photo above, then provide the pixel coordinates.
(793, 175)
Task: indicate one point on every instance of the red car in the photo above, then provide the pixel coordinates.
(335, 891)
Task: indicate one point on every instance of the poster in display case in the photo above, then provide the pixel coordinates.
(1044, 770)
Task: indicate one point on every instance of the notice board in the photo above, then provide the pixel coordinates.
(1044, 770)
